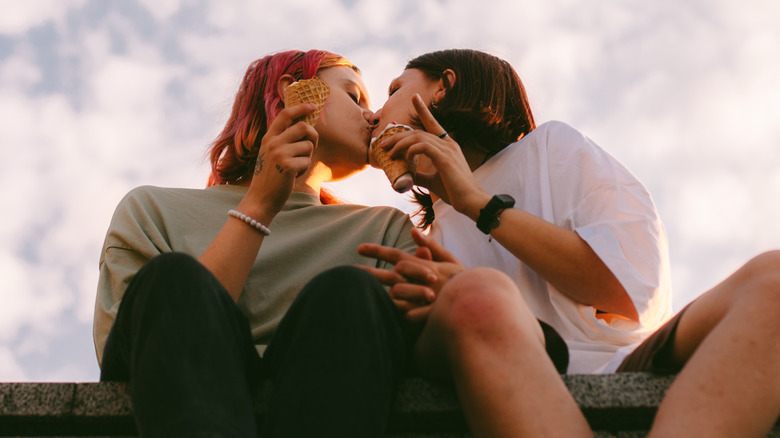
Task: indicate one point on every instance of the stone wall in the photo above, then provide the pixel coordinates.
(618, 405)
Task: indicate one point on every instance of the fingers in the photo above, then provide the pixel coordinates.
(384, 253)
(412, 293)
(415, 272)
(423, 253)
(418, 315)
(386, 277)
(287, 149)
(286, 117)
(429, 122)
(438, 252)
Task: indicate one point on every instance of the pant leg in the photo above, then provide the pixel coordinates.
(187, 352)
(335, 359)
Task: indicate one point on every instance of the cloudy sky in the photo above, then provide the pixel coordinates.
(97, 97)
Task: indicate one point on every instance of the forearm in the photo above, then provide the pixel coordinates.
(232, 253)
(564, 259)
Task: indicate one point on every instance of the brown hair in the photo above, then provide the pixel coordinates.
(486, 108)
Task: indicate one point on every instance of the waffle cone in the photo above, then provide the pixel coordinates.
(394, 169)
(313, 90)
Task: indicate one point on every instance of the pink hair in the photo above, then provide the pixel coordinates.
(257, 104)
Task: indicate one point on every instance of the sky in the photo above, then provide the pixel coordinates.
(98, 97)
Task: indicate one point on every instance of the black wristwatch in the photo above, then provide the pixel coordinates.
(488, 216)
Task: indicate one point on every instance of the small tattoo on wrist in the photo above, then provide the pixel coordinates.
(259, 164)
(279, 168)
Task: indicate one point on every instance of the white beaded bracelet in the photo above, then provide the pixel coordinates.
(249, 221)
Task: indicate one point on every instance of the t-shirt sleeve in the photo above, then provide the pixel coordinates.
(133, 238)
(614, 213)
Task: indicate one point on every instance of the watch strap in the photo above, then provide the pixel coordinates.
(488, 216)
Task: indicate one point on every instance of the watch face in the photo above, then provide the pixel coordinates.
(506, 200)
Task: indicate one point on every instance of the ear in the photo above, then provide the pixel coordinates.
(447, 79)
(283, 83)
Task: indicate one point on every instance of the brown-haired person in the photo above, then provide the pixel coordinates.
(190, 294)
(580, 247)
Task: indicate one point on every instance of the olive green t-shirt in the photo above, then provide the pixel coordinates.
(306, 239)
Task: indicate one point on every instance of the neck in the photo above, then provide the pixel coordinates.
(474, 157)
(311, 181)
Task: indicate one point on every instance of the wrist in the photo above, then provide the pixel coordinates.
(262, 212)
(475, 203)
(488, 215)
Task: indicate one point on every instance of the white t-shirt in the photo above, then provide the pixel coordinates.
(559, 175)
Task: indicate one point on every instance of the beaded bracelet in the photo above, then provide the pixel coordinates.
(249, 221)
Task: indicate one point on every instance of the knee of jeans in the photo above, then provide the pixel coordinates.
(170, 261)
(172, 276)
(346, 286)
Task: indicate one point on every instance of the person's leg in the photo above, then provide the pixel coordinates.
(186, 350)
(481, 333)
(335, 359)
(729, 341)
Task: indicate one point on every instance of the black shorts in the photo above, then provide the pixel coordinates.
(655, 354)
(556, 347)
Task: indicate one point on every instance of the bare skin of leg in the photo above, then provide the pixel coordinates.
(730, 339)
(487, 340)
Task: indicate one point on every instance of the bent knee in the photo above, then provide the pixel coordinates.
(759, 280)
(344, 286)
(480, 280)
(766, 264)
(482, 299)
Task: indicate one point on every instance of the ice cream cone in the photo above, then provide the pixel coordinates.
(398, 171)
(313, 90)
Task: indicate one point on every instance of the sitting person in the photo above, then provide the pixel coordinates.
(551, 228)
(195, 284)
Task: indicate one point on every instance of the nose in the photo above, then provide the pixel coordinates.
(373, 118)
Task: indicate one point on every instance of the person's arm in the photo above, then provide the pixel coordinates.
(284, 153)
(562, 258)
(557, 254)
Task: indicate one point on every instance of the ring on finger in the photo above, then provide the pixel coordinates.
(443, 134)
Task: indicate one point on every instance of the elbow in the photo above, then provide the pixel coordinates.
(617, 301)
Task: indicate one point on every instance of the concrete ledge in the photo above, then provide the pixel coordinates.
(618, 405)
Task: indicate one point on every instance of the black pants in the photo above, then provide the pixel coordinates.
(187, 351)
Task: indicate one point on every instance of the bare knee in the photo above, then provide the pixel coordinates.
(487, 303)
(759, 282)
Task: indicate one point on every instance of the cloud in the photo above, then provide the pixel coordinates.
(102, 99)
(23, 16)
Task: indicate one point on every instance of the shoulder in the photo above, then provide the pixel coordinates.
(153, 192)
(154, 196)
(559, 137)
(560, 142)
(145, 204)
